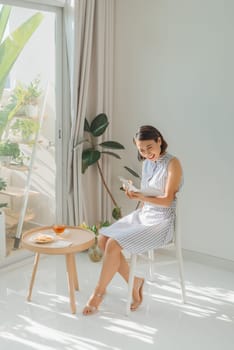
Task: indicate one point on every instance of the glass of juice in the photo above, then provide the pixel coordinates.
(58, 228)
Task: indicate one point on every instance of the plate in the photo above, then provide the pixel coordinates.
(43, 239)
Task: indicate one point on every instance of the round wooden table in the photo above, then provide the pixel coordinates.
(73, 240)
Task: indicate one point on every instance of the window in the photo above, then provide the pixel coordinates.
(29, 113)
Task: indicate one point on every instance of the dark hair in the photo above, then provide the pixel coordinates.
(148, 132)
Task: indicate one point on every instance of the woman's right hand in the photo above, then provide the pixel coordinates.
(135, 195)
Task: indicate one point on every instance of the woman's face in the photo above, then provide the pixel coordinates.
(149, 149)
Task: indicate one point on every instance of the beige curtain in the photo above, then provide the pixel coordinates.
(91, 78)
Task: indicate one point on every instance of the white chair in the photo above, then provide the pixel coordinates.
(176, 243)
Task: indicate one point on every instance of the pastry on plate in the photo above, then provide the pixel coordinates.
(43, 238)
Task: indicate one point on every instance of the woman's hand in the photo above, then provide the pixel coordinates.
(135, 195)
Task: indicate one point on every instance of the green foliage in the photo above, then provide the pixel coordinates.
(3, 186)
(116, 213)
(89, 156)
(27, 127)
(96, 227)
(11, 149)
(24, 94)
(93, 153)
(11, 46)
(98, 125)
(33, 92)
(4, 16)
(21, 96)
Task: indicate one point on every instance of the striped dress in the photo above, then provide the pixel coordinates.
(151, 226)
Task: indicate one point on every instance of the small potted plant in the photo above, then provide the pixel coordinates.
(9, 151)
(94, 252)
(33, 92)
(25, 129)
(24, 99)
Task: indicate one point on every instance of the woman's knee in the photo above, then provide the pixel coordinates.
(112, 246)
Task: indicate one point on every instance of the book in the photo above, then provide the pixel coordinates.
(149, 191)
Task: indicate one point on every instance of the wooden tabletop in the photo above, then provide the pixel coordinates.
(77, 240)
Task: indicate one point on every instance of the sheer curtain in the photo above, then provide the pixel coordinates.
(89, 46)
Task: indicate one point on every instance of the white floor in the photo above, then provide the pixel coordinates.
(162, 322)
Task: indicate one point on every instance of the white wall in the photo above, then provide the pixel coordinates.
(174, 70)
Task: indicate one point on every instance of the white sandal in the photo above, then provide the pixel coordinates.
(91, 309)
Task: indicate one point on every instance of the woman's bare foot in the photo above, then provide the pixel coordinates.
(137, 293)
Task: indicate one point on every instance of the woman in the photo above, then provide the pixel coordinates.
(149, 227)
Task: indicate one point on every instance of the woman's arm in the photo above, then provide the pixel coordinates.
(172, 186)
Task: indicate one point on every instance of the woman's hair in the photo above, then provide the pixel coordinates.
(148, 132)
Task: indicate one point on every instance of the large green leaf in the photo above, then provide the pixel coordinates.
(89, 157)
(14, 44)
(116, 213)
(84, 166)
(99, 125)
(4, 15)
(111, 154)
(86, 126)
(111, 144)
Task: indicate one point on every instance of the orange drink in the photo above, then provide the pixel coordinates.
(58, 229)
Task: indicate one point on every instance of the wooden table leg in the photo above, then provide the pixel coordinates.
(36, 260)
(70, 277)
(74, 271)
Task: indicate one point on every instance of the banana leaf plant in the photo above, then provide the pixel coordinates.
(12, 46)
(95, 150)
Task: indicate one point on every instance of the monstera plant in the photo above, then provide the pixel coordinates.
(92, 154)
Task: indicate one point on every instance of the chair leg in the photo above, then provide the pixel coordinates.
(131, 281)
(151, 264)
(181, 272)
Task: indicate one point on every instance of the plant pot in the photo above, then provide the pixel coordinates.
(5, 160)
(31, 111)
(95, 253)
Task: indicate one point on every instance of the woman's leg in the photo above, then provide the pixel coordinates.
(123, 267)
(113, 261)
(110, 265)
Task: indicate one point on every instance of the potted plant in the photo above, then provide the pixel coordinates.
(94, 252)
(33, 92)
(25, 99)
(25, 129)
(9, 151)
(95, 150)
(23, 102)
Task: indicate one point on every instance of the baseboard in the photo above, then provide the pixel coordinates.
(16, 260)
(201, 258)
(210, 260)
